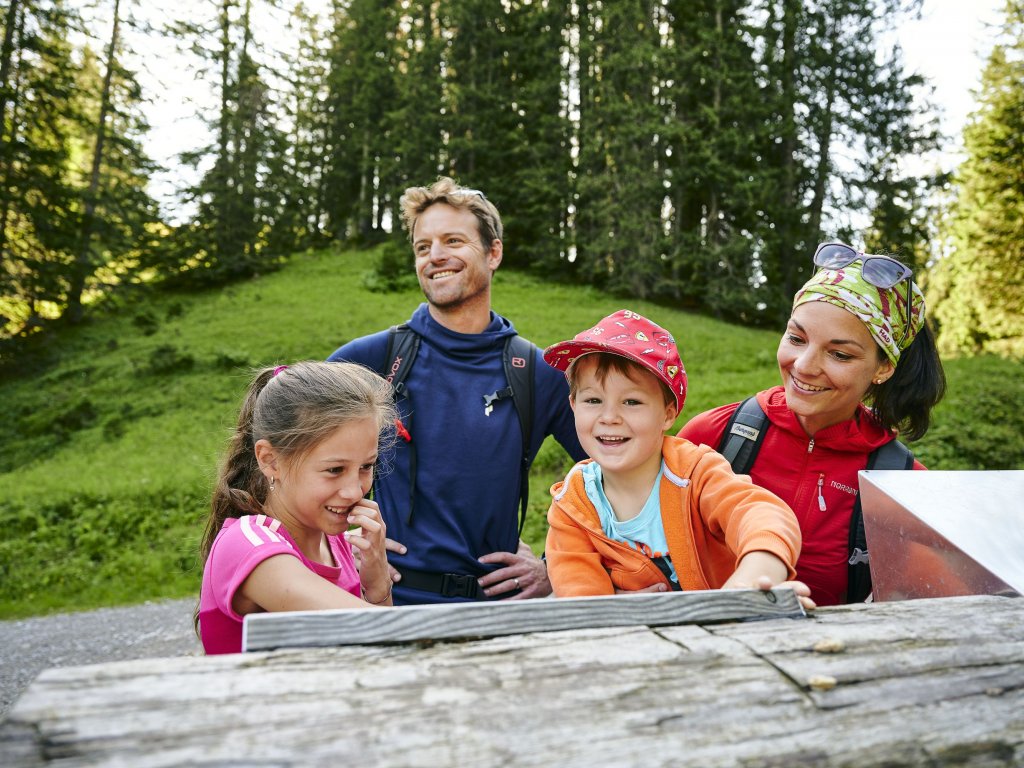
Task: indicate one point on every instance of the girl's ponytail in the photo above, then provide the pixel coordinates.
(241, 488)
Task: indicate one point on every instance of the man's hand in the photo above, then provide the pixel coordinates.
(523, 571)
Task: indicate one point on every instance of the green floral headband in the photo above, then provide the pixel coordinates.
(883, 310)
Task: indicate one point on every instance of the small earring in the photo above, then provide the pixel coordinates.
(273, 483)
(878, 382)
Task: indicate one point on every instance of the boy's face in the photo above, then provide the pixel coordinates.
(620, 420)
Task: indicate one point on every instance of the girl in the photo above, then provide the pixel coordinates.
(857, 332)
(298, 467)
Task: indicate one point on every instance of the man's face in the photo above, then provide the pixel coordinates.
(452, 264)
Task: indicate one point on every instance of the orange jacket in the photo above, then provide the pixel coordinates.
(712, 518)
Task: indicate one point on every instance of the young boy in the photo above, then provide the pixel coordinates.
(649, 512)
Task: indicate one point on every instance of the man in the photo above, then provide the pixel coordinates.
(450, 493)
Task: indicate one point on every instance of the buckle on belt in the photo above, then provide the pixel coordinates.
(459, 585)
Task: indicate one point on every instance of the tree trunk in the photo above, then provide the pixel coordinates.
(83, 260)
(6, 54)
(222, 174)
(15, 22)
(788, 192)
(824, 137)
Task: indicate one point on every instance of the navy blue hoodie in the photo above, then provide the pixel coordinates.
(467, 479)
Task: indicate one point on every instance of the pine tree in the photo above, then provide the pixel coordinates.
(900, 203)
(978, 288)
(531, 151)
(38, 220)
(716, 128)
(302, 160)
(238, 199)
(619, 178)
(416, 114)
(361, 91)
(117, 213)
(417, 110)
(843, 117)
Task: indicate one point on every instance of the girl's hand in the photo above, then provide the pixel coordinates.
(369, 546)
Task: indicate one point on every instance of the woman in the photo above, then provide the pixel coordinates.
(857, 333)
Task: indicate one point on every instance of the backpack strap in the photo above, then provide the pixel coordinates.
(892, 455)
(743, 435)
(403, 344)
(519, 358)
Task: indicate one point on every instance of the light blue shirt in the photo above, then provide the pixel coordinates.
(644, 533)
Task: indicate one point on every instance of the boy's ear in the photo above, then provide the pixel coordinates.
(671, 412)
(267, 458)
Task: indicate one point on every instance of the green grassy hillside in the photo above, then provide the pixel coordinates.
(112, 434)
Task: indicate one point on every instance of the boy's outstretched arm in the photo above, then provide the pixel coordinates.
(763, 570)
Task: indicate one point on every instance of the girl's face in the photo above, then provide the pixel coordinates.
(620, 422)
(828, 361)
(316, 493)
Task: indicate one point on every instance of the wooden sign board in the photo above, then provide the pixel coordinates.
(463, 621)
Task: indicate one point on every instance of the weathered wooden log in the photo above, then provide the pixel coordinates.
(463, 621)
(921, 683)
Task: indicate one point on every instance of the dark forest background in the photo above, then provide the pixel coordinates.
(690, 152)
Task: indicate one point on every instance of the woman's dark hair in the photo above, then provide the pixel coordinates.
(906, 399)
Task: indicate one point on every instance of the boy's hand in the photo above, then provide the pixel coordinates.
(763, 570)
(803, 592)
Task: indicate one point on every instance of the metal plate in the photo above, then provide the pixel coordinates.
(938, 534)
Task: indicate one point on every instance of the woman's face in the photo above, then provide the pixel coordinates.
(828, 361)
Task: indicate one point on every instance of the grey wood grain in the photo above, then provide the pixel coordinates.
(709, 695)
(267, 631)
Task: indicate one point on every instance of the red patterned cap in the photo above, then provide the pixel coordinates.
(632, 336)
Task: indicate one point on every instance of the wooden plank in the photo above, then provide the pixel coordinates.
(974, 646)
(307, 629)
(715, 696)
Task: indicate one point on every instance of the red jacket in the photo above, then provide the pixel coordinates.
(712, 518)
(798, 469)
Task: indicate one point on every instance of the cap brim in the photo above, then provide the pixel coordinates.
(560, 356)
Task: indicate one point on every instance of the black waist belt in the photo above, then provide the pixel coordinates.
(446, 584)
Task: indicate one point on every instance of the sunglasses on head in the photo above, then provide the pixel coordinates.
(471, 192)
(880, 271)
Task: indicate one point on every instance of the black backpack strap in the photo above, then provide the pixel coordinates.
(892, 455)
(743, 435)
(403, 344)
(663, 565)
(519, 359)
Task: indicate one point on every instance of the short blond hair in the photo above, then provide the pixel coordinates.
(415, 200)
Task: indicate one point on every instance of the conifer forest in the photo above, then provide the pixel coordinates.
(686, 151)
